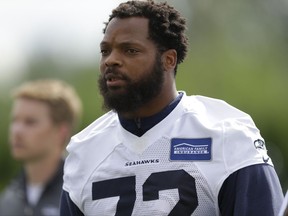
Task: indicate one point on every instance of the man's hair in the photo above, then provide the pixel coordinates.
(166, 25)
(63, 101)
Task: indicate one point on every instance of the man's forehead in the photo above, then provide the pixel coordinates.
(127, 30)
(130, 24)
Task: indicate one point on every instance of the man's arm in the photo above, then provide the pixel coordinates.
(253, 190)
(68, 207)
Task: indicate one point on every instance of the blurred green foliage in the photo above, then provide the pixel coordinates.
(238, 53)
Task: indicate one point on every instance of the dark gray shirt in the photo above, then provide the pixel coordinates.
(13, 200)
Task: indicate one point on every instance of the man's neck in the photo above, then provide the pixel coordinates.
(153, 107)
(140, 126)
(41, 171)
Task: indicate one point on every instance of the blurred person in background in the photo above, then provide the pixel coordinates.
(45, 113)
(158, 151)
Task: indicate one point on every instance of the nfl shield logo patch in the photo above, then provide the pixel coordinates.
(190, 149)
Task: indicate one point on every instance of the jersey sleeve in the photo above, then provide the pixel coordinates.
(252, 186)
(253, 190)
(243, 144)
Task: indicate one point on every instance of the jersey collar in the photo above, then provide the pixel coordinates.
(140, 126)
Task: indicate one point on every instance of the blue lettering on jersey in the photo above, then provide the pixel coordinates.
(190, 149)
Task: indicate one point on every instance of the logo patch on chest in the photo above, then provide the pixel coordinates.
(190, 149)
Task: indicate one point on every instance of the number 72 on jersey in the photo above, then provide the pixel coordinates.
(124, 188)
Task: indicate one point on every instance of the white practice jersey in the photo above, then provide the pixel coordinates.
(175, 168)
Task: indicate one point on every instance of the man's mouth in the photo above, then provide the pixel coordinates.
(113, 80)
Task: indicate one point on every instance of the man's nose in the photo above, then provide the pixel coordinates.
(113, 59)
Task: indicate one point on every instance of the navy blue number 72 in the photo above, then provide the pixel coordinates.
(125, 188)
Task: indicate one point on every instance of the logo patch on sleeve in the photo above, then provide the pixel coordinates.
(190, 149)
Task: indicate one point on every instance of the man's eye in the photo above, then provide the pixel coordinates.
(104, 52)
(31, 122)
(132, 51)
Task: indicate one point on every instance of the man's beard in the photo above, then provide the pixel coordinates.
(136, 93)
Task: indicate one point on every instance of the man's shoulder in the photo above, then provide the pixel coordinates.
(100, 125)
(12, 193)
(15, 184)
(82, 145)
(212, 108)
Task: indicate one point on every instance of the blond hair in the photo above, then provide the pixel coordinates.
(63, 101)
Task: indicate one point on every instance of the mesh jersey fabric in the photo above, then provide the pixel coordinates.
(108, 169)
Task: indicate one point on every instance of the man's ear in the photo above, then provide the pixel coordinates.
(169, 58)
